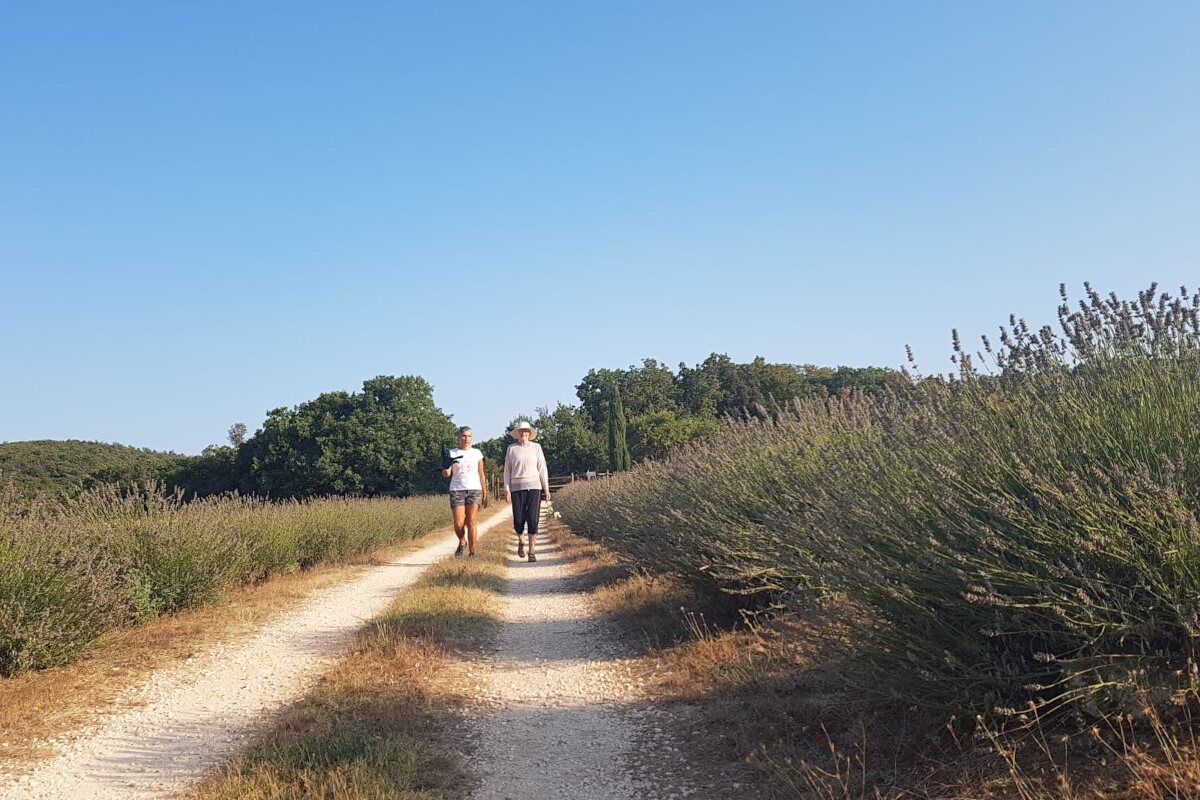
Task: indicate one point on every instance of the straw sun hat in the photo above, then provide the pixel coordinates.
(524, 425)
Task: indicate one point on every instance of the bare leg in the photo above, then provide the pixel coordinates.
(460, 522)
(472, 528)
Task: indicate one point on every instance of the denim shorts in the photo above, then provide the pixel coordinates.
(465, 497)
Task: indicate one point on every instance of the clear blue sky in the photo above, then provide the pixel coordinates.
(208, 210)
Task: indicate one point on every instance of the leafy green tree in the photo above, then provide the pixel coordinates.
(493, 452)
(592, 392)
(650, 387)
(618, 446)
(652, 435)
(867, 379)
(771, 385)
(237, 434)
(700, 389)
(386, 439)
(64, 468)
(571, 445)
(665, 409)
(214, 471)
(564, 434)
(721, 387)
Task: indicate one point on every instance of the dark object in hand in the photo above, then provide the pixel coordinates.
(448, 462)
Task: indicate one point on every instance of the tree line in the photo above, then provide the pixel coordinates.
(639, 413)
(62, 468)
(384, 440)
(387, 438)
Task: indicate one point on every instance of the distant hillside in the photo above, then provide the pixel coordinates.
(62, 468)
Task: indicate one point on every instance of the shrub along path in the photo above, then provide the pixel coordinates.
(188, 719)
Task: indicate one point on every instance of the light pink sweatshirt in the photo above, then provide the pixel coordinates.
(525, 468)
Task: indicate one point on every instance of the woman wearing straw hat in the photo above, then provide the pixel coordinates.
(468, 489)
(526, 483)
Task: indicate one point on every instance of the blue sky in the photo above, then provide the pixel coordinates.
(209, 210)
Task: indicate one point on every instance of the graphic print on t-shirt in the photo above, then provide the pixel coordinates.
(465, 472)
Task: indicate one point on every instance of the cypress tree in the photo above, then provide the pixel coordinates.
(618, 447)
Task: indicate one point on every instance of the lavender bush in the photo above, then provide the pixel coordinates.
(1024, 531)
(115, 557)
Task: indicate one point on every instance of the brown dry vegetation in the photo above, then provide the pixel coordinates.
(1007, 561)
(1030, 534)
(383, 722)
(772, 696)
(119, 556)
(40, 705)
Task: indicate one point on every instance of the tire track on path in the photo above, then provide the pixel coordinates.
(187, 719)
(561, 711)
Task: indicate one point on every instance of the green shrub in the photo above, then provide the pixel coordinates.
(52, 602)
(1028, 535)
(111, 557)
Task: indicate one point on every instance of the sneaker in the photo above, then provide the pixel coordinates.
(459, 551)
(520, 549)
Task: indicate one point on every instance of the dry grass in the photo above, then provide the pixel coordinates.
(649, 607)
(771, 695)
(118, 556)
(37, 706)
(371, 729)
(596, 560)
(383, 722)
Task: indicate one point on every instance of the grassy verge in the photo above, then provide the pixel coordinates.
(381, 724)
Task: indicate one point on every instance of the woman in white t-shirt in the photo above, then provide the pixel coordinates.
(468, 489)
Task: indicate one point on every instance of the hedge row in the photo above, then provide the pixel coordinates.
(113, 558)
(1028, 535)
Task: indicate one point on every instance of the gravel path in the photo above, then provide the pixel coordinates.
(188, 719)
(561, 713)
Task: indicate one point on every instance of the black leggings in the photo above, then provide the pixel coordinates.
(526, 504)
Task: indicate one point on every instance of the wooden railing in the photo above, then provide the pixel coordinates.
(496, 482)
(559, 481)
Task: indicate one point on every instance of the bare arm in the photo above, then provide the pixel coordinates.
(544, 474)
(507, 472)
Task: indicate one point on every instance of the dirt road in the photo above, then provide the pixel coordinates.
(561, 710)
(188, 719)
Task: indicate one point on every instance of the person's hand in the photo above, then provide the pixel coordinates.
(448, 462)
(507, 496)
(546, 496)
(485, 500)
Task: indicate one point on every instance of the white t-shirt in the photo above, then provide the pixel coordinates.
(464, 474)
